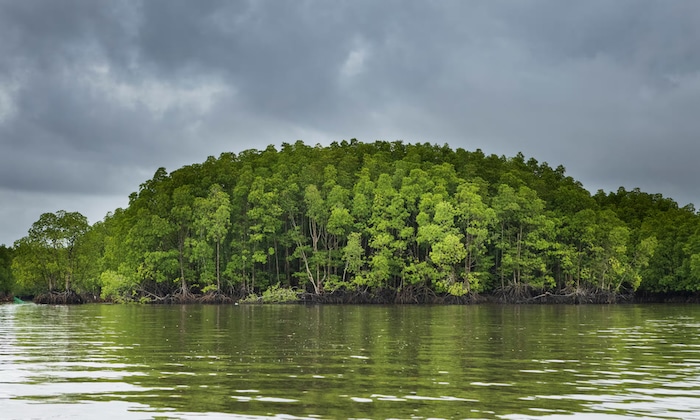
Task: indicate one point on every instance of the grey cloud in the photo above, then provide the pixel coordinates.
(45, 36)
(95, 95)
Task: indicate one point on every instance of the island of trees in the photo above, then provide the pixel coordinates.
(363, 222)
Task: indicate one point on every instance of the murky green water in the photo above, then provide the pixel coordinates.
(141, 362)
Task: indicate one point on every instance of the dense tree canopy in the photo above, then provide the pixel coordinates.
(406, 220)
(6, 277)
(56, 254)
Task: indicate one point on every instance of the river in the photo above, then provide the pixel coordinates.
(293, 361)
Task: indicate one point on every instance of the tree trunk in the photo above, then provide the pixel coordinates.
(218, 274)
(277, 260)
(183, 283)
(501, 261)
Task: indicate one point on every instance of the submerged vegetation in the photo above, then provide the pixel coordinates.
(358, 222)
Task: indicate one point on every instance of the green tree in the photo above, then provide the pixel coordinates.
(265, 223)
(525, 238)
(579, 236)
(475, 220)
(31, 268)
(49, 254)
(670, 270)
(212, 219)
(312, 256)
(151, 258)
(181, 215)
(6, 276)
(388, 234)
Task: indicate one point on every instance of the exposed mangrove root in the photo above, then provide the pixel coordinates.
(236, 294)
(525, 294)
(467, 299)
(148, 297)
(409, 295)
(215, 297)
(184, 297)
(60, 298)
(515, 293)
(346, 297)
(415, 294)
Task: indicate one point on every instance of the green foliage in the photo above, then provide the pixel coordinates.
(51, 256)
(277, 294)
(525, 237)
(117, 287)
(362, 217)
(273, 294)
(7, 281)
(251, 298)
(212, 219)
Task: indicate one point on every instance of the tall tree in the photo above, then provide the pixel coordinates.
(475, 220)
(526, 236)
(265, 222)
(212, 219)
(387, 234)
(181, 215)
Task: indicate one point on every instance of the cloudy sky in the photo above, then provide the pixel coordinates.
(96, 95)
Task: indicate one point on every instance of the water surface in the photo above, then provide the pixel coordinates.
(289, 361)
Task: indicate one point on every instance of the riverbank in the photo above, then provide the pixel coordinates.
(408, 296)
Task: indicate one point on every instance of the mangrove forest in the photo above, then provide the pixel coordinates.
(384, 222)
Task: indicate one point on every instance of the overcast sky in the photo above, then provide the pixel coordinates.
(96, 95)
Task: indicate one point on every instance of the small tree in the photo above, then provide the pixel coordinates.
(48, 255)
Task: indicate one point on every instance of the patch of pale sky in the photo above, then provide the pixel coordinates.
(27, 206)
(155, 95)
(355, 62)
(8, 108)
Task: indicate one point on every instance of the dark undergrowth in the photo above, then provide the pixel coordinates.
(412, 295)
(60, 298)
(680, 297)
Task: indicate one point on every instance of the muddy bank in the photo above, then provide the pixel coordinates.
(59, 298)
(387, 297)
(507, 296)
(666, 298)
(406, 296)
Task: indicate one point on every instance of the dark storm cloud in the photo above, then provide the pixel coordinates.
(95, 95)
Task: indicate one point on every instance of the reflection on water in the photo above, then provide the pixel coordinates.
(142, 362)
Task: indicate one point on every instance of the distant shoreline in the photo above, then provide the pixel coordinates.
(384, 298)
